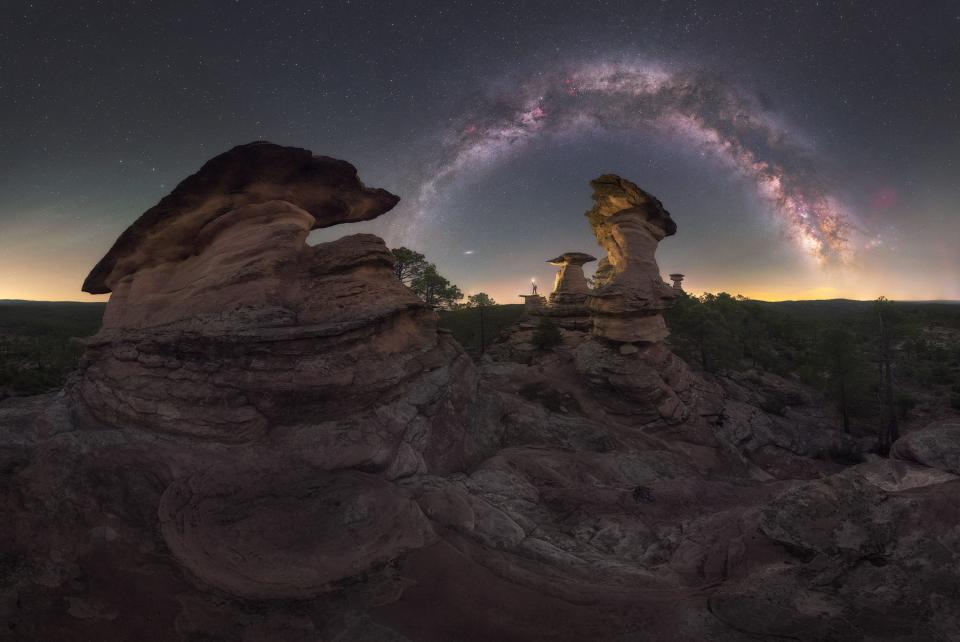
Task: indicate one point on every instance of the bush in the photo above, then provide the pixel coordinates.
(810, 376)
(465, 323)
(905, 403)
(547, 334)
(845, 453)
(941, 374)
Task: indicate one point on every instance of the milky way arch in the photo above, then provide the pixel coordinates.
(695, 107)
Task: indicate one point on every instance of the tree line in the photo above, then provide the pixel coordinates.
(869, 358)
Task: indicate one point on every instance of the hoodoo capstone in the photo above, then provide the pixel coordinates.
(570, 286)
(183, 222)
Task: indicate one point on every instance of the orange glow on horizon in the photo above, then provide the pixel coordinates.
(19, 281)
(509, 290)
(21, 284)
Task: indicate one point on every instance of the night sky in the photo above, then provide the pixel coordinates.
(805, 150)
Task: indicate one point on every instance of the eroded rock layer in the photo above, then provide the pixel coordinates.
(178, 227)
(224, 323)
(628, 224)
(226, 329)
(570, 287)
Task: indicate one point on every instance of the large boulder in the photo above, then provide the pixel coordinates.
(850, 560)
(937, 446)
(646, 385)
(292, 533)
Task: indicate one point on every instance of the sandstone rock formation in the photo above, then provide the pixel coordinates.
(570, 286)
(628, 224)
(271, 441)
(224, 323)
(194, 213)
(677, 282)
(532, 303)
(566, 305)
(937, 446)
(226, 328)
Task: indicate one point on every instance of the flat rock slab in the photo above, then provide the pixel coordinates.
(274, 533)
(937, 446)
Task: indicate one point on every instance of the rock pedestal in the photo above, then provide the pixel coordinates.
(567, 303)
(629, 223)
(570, 286)
(532, 303)
(325, 376)
(677, 282)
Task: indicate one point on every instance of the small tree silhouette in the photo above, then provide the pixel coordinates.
(547, 334)
(481, 300)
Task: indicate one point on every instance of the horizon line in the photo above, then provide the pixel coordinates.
(947, 301)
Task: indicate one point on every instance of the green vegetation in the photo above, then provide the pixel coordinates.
(421, 276)
(834, 346)
(475, 323)
(36, 352)
(435, 289)
(481, 301)
(409, 264)
(547, 333)
(465, 323)
(876, 361)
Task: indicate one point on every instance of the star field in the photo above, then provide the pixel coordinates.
(107, 105)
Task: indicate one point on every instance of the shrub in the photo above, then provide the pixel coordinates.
(847, 454)
(547, 334)
(809, 375)
(905, 403)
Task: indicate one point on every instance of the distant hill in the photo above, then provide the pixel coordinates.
(856, 302)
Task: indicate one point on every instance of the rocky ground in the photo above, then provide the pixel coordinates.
(300, 454)
(570, 525)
